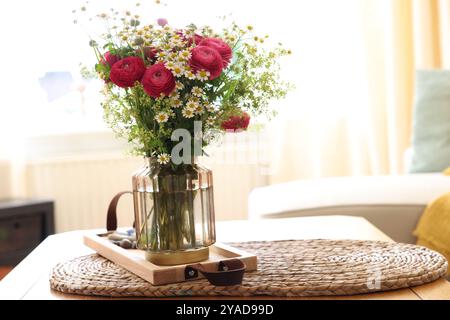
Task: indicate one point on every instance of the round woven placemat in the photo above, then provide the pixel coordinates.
(285, 268)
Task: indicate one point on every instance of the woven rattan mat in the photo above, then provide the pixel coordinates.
(285, 268)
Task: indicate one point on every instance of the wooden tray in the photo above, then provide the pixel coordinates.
(134, 260)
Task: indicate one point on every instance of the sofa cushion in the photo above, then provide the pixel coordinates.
(393, 203)
(431, 124)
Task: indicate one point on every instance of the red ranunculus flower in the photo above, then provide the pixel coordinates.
(158, 79)
(109, 58)
(207, 58)
(149, 53)
(196, 39)
(223, 48)
(125, 72)
(236, 123)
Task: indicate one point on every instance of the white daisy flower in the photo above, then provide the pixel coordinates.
(167, 29)
(177, 70)
(190, 75)
(176, 102)
(230, 39)
(189, 32)
(192, 105)
(173, 56)
(210, 107)
(203, 75)
(196, 91)
(176, 43)
(199, 109)
(195, 99)
(162, 117)
(167, 47)
(179, 85)
(187, 113)
(170, 65)
(210, 121)
(161, 55)
(163, 158)
(180, 60)
(174, 94)
(185, 55)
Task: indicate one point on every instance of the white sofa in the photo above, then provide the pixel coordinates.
(392, 203)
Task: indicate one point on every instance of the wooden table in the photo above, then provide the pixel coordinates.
(29, 280)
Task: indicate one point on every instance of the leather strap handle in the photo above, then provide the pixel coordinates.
(229, 273)
(111, 217)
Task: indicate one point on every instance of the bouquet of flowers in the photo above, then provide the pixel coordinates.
(159, 78)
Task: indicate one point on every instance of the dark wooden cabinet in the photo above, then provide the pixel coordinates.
(23, 225)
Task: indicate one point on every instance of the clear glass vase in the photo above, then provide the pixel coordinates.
(174, 212)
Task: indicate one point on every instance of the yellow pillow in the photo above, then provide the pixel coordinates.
(447, 171)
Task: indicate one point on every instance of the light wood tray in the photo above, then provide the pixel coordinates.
(134, 260)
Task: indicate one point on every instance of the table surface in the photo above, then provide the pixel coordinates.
(29, 280)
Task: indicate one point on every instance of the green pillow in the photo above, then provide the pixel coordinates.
(431, 122)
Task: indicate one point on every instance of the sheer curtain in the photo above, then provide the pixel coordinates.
(353, 66)
(391, 39)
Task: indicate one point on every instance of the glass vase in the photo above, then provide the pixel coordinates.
(174, 212)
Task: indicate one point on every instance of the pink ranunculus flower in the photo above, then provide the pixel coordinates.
(236, 123)
(206, 58)
(162, 21)
(125, 72)
(111, 59)
(158, 80)
(220, 45)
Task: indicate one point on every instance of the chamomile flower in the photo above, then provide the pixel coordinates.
(230, 39)
(199, 109)
(203, 75)
(190, 75)
(170, 65)
(209, 107)
(176, 42)
(179, 85)
(163, 158)
(175, 102)
(180, 60)
(162, 117)
(185, 55)
(167, 29)
(210, 121)
(172, 56)
(174, 95)
(189, 32)
(187, 113)
(195, 99)
(192, 105)
(178, 70)
(161, 55)
(196, 91)
(167, 47)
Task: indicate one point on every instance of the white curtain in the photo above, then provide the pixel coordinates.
(366, 129)
(353, 66)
